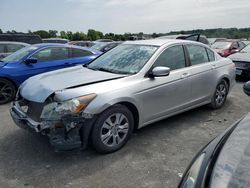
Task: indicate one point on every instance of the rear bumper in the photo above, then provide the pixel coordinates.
(68, 134)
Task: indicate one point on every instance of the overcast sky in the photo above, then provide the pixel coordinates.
(120, 16)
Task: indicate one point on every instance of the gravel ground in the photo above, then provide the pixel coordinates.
(155, 156)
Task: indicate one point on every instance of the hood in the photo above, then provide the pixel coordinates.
(232, 168)
(240, 57)
(40, 87)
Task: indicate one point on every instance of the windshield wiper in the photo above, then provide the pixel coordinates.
(105, 70)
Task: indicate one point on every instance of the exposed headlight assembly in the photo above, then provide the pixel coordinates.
(54, 111)
(190, 179)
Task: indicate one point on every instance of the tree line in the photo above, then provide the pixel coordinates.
(232, 33)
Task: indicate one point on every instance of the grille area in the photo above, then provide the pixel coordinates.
(242, 64)
(32, 109)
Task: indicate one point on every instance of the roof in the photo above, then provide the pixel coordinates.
(55, 39)
(158, 42)
(12, 42)
(179, 35)
(40, 45)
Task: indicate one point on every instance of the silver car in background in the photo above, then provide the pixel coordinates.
(131, 86)
(9, 47)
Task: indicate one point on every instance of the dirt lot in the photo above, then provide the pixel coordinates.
(154, 156)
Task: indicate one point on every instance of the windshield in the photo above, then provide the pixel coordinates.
(124, 59)
(221, 45)
(99, 46)
(246, 49)
(20, 54)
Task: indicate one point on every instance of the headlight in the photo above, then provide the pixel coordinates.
(55, 110)
(190, 179)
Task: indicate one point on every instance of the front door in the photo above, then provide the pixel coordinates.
(162, 96)
(48, 59)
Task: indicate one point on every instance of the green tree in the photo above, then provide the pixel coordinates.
(53, 33)
(63, 34)
(42, 33)
(1, 31)
(83, 36)
(99, 35)
(76, 36)
(92, 34)
(69, 35)
(154, 35)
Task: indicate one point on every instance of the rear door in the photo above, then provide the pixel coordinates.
(203, 72)
(165, 95)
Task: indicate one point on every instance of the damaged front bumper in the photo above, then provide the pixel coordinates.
(70, 133)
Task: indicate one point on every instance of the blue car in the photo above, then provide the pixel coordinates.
(36, 59)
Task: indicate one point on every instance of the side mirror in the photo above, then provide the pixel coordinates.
(160, 71)
(246, 88)
(30, 60)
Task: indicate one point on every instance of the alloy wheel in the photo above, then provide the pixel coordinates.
(221, 93)
(114, 129)
(6, 92)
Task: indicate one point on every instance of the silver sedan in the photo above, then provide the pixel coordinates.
(131, 86)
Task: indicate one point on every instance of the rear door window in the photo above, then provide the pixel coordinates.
(79, 53)
(172, 57)
(14, 47)
(235, 45)
(210, 54)
(197, 54)
(52, 54)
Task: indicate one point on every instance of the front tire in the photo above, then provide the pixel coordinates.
(112, 129)
(220, 95)
(7, 91)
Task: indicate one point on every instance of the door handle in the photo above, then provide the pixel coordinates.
(184, 75)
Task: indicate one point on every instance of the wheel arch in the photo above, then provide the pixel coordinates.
(134, 111)
(227, 79)
(6, 78)
(128, 102)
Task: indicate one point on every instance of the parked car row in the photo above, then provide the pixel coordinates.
(105, 46)
(227, 47)
(193, 37)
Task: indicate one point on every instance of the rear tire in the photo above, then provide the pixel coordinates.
(7, 91)
(112, 129)
(220, 95)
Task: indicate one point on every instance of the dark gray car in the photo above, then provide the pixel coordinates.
(225, 161)
(242, 62)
